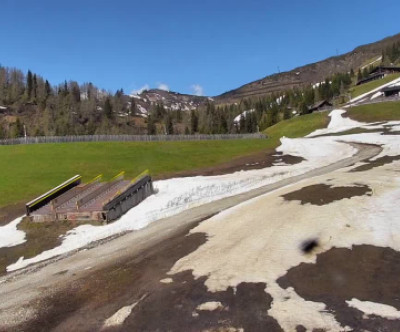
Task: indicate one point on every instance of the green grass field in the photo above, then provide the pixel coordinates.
(364, 88)
(29, 170)
(375, 112)
(299, 126)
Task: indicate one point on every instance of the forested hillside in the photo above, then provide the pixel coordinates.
(31, 105)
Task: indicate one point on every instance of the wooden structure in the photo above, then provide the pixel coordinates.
(390, 91)
(95, 200)
(320, 106)
(379, 73)
(371, 77)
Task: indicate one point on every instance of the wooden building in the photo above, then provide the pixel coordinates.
(320, 106)
(390, 91)
(95, 200)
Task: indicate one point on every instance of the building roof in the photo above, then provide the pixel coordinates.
(385, 68)
(319, 104)
(392, 88)
(369, 78)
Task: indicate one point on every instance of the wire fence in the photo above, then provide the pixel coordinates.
(126, 138)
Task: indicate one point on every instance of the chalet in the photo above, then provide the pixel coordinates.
(390, 91)
(378, 73)
(320, 106)
(371, 77)
(385, 70)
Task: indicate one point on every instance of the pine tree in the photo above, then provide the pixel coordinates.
(132, 107)
(151, 127)
(34, 87)
(108, 108)
(47, 89)
(29, 84)
(194, 122)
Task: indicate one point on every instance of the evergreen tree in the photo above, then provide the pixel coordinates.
(169, 127)
(108, 108)
(34, 87)
(132, 107)
(29, 84)
(194, 122)
(47, 89)
(151, 126)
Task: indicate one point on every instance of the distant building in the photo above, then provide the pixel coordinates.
(378, 73)
(320, 106)
(371, 77)
(390, 91)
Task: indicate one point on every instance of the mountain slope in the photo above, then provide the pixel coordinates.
(309, 74)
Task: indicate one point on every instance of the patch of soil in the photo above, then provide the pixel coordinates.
(255, 161)
(364, 272)
(370, 164)
(322, 194)
(39, 237)
(11, 212)
(87, 303)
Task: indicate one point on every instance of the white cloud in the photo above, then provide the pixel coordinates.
(139, 91)
(197, 90)
(163, 86)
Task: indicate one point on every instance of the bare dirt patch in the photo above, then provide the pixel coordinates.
(366, 273)
(88, 302)
(321, 194)
(11, 212)
(255, 161)
(370, 164)
(39, 237)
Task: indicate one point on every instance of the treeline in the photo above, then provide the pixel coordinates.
(65, 109)
(40, 109)
(391, 55)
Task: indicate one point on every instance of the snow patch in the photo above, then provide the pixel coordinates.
(210, 306)
(11, 236)
(373, 308)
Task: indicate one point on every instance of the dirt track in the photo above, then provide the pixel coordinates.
(21, 293)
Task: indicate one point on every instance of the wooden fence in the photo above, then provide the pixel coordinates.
(126, 138)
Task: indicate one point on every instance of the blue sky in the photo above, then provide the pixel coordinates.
(204, 46)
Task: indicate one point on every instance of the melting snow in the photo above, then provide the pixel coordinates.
(377, 309)
(9, 234)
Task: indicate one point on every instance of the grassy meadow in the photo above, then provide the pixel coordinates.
(388, 111)
(364, 88)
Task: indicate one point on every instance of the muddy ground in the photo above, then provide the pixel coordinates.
(321, 194)
(367, 273)
(89, 301)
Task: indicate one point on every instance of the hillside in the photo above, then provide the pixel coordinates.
(309, 74)
(171, 100)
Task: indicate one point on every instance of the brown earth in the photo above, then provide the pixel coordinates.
(370, 164)
(367, 273)
(258, 160)
(39, 237)
(89, 301)
(11, 212)
(321, 194)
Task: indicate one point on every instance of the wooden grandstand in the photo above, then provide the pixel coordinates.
(95, 200)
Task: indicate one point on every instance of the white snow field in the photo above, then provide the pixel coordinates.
(259, 240)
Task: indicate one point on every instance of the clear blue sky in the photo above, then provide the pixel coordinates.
(216, 44)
